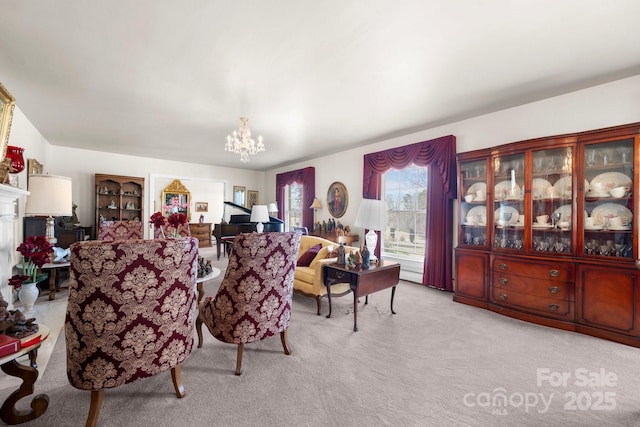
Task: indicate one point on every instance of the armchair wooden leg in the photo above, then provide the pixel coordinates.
(97, 396)
(283, 338)
(319, 304)
(176, 376)
(199, 330)
(239, 359)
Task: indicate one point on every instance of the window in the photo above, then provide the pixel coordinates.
(405, 193)
(293, 206)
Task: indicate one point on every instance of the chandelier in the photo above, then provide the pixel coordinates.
(240, 141)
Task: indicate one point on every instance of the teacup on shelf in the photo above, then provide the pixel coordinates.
(618, 192)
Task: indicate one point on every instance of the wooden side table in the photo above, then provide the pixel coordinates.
(53, 276)
(29, 374)
(362, 282)
(202, 232)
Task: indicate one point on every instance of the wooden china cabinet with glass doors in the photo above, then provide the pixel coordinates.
(548, 232)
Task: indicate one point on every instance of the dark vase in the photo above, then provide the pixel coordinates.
(17, 161)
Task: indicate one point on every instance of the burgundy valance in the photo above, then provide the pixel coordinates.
(307, 178)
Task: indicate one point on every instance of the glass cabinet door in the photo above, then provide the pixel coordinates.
(473, 209)
(608, 199)
(552, 196)
(508, 199)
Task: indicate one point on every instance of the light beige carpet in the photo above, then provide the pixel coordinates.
(435, 363)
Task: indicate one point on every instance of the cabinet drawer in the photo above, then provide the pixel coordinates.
(550, 307)
(532, 286)
(548, 271)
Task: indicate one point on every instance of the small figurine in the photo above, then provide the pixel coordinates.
(112, 204)
(366, 257)
(129, 205)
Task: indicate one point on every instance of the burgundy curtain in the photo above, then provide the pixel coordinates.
(439, 155)
(306, 177)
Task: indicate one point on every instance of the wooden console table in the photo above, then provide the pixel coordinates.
(29, 374)
(362, 282)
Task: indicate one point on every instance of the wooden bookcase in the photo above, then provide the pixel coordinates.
(119, 198)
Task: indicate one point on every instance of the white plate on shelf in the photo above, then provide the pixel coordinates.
(539, 188)
(565, 213)
(503, 189)
(541, 226)
(479, 211)
(610, 210)
(478, 186)
(506, 209)
(562, 189)
(611, 180)
(593, 228)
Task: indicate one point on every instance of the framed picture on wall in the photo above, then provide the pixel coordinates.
(337, 199)
(239, 195)
(202, 206)
(252, 198)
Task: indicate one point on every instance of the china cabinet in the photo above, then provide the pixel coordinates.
(118, 198)
(548, 231)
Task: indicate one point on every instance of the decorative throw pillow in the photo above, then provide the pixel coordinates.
(306, 258)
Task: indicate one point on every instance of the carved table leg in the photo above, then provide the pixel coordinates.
(39, 404)
(393, 293)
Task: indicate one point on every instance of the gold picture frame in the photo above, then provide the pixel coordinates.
(7, 104)
(176, 195)
(337, 199)
(239, 195)
(252, 198)
(34, 167)
(202, 206)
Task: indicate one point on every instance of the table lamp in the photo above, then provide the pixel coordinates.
(315, 206)
(259, 214)
(372, 215)
(272, 208)
(50, 196)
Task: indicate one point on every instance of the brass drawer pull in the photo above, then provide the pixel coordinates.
(554, 289)
(340, 274)
(503, 266)
(554, 307)
(503, 297)
(504, 281)
(554, 273)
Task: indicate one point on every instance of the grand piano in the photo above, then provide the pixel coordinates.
(239, 223)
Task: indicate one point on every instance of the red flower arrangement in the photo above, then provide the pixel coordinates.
(175, 220)
(36, 252)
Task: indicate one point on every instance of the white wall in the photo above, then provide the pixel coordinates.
(601, 106)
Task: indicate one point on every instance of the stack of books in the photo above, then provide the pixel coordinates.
(9, 344)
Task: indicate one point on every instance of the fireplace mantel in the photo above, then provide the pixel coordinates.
(9, 197)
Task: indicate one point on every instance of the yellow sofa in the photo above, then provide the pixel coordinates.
(308, 280)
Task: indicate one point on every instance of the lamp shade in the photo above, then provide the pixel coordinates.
(259, 214)
(272, 207)
(50, 195)
(316, 204)
(372, 214)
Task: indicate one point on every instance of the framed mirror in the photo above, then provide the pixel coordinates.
(7, 103)
(176, 199)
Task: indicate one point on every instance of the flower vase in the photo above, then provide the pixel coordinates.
(28, 295)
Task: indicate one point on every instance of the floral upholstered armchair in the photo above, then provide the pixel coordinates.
(253, 301)
(131, 313)
(119, 230)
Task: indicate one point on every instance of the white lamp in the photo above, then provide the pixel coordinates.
(315, 206)
(50, 196)
(272, 208)
(259, 214)
(372, 214)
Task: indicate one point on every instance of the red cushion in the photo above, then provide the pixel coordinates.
(309, 255)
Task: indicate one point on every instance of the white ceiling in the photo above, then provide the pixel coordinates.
(170, 79)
